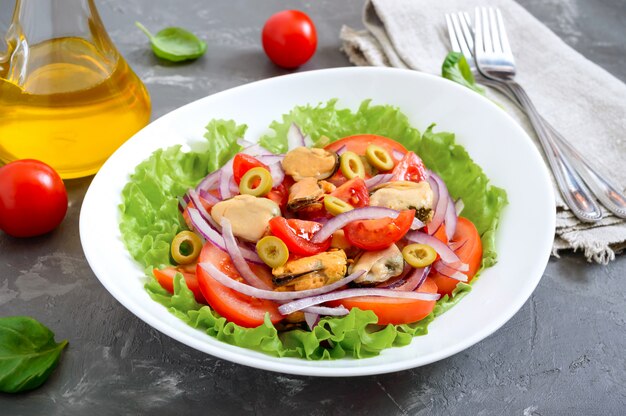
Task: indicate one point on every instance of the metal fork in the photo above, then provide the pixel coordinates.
(494, 60)
(462, 40)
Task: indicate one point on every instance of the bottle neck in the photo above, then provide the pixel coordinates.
(36, 22)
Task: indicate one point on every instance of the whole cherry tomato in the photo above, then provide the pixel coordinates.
(289, 38)
(33, 199)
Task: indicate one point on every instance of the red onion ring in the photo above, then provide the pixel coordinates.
(450, 216)
(295, 138)
(448, 271)
(417, 224)
(327, 311)
(460, 267)
(413, 281)
(455, 245)
(210, 234)
(440, 207)
(270, 159)
(248, 290)
(311, 319)
(299, 304)
(225, 180)
(256, 150)
(278, 174)
(203, 212)
(450, 219)
(398, 155)
(341, 150)
(447, 255)
(312, 314)
(357, 214)
(378, 179)
(210, 181)
(458, 206)
(210, 198)
(235, 255)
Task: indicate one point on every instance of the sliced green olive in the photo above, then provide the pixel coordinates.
(273, 251)
(256, 182)
(379, 157)
(335, 205)
(351, 165)
(419, 255)
(185, 247)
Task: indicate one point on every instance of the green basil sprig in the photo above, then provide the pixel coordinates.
(175, 44)
(28, 353)
(455, 68)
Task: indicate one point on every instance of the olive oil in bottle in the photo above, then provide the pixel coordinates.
(67, 97)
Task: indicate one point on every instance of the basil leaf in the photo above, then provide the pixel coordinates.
(175, 44)
(28, 353)
(455, 68)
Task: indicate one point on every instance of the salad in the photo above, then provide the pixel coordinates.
(340, 242)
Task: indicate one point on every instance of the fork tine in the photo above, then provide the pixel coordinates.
(454, 43)
(495, 35)
(478, 33)
(465, 50)
(467, 31)
(488, 45)
(504, 39)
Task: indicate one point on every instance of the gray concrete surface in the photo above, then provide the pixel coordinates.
(562, 353)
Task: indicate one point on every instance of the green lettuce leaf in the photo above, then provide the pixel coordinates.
(326, 120)
(150, 219)
(149, 212)
(455, 68)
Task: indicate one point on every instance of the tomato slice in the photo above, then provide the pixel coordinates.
(394, 310)
(470, 251)
(241, 309)
(379, 234)
(165, 277)
(440, 234)
(410, 168)
(280, 195)
(354, 192)
(296, 234)
(243, 163)
(358, 144)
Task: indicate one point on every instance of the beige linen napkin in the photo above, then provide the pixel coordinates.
(580, 99)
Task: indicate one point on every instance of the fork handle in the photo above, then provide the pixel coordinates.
(602, 188)
(576, 195)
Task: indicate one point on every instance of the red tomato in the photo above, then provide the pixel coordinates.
(410, 168)
(394, 310)
(280, 195)
(165, 277)
(470, 252)
(243, 163)
(296, 235)
(241, 309)
(354, 192)
(440, 234)
(289, 38)
(33, 199)
(379, 234)
(358, 144)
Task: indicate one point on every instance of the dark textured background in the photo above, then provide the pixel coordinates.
(563, 353)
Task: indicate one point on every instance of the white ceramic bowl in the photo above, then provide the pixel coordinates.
(491, 137)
